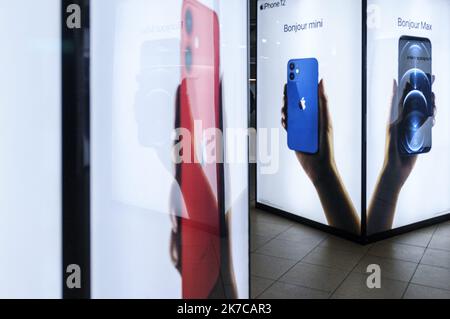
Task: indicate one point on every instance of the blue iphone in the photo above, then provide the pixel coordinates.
(303, 105)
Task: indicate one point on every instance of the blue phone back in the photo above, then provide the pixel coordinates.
(303, 105)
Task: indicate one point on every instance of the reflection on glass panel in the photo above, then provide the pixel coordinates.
(163, 228)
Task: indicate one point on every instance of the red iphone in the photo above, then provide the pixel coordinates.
(201, 180)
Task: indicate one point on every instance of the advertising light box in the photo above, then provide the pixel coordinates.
(165, 74)
(30, 148)
(311, 168)
(408, 121)
(353, 129)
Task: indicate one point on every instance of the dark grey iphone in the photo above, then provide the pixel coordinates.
(415, 92)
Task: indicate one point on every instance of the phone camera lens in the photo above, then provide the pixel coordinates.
(189, 21)
(292, 66)
(292, 76)
(188, 58)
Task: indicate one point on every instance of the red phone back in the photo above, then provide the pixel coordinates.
(200, 181)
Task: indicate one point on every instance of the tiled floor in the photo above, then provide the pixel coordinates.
(290, 260)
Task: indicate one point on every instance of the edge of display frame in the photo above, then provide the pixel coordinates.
(75, 155)
(248, 150)
(364, 119)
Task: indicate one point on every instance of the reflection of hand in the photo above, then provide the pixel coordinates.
(318, 165)
(396, 170)
(322, 170)
(225, 286)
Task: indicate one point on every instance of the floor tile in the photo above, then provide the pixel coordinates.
(279, 244)
(330, 257)
(417, 238)
(431, 276)
(282, 290)
(267, 229)
(303, 234)
(257, 241)
(258, 285)
(345, 245)
(431, 229)
(422, 292)
(440, 242)
(443, 230)
(390, 268)
(355, 287)
(269, 267)
(397, 251)
(285, 249)
(438, 258)
(265, 217)
(315, 277)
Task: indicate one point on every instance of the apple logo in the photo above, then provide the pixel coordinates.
(303, 103)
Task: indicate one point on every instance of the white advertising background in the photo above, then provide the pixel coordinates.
(30, 148)
(131, 178)
(426, 193)
(337, 47)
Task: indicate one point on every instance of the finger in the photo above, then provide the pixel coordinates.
(395, 105)
(433, 99)
(174, 221)
(174, 206)
(434, 115)
(284, 108)
(433, 78)
(406, 90)
(395, 115)
(398, 117)
(175, 251)
(173, 248)
(178, 97)
(284, 120)
(394, 87)
(324, 112)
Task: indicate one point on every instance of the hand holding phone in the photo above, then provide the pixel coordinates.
(321, 167)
